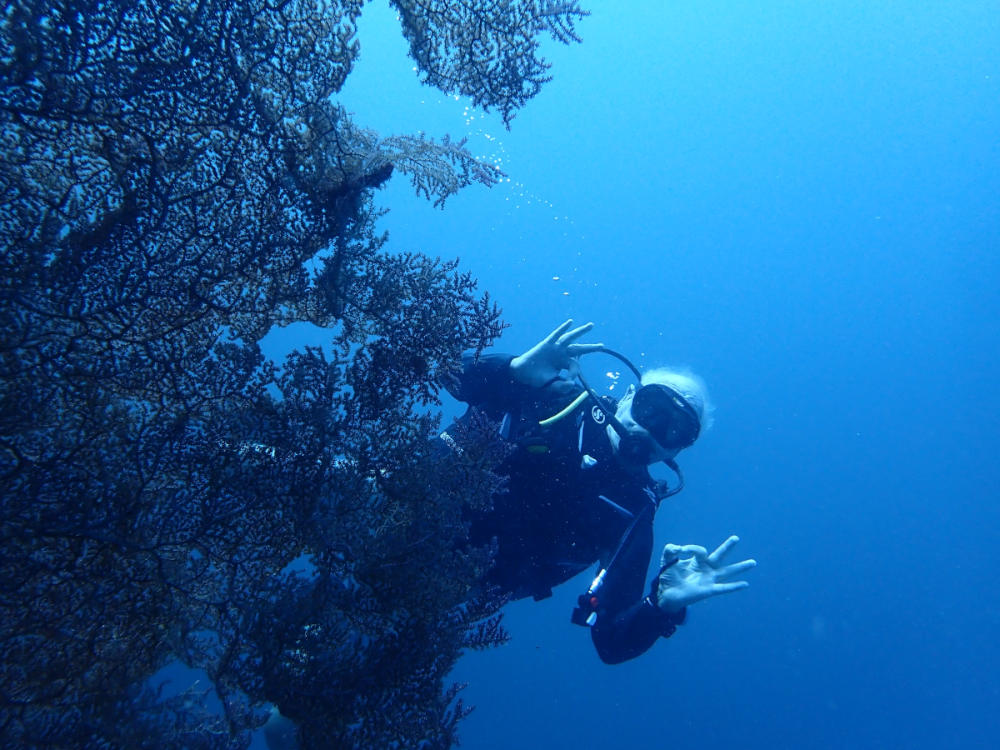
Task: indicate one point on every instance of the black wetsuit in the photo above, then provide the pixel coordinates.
(568, 504)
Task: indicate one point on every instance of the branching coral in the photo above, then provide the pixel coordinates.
(170, 170)
(486, 49)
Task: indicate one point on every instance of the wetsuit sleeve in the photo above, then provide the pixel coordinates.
(628, 620)
(486, 382)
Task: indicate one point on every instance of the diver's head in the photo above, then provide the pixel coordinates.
(664, 416)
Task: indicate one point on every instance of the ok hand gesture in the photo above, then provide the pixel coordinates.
(697, 574)
(543, 362)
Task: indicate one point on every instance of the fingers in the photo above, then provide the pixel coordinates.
(560, 329)
(668, 553)
(722, 549)
(578, 349)
(684, 550)
(735, 569)
(727, 588)
(565, 339)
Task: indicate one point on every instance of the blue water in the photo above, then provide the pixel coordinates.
(799, 200)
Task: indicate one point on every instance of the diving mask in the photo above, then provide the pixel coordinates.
(666, 415)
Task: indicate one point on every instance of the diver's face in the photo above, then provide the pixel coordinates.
(653, 450)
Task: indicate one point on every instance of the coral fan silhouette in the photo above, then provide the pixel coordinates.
(171, 170)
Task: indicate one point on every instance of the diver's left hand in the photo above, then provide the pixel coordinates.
(697, 575)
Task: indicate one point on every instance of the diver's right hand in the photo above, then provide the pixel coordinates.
(543, 362)
(688, 574)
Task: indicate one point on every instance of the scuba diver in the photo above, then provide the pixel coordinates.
(579, 489)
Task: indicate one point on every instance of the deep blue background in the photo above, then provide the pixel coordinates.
(800, 201)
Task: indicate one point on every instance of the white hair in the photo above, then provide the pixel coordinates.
(689, 385)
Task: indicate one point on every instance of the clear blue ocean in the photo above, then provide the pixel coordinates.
(801, 202)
